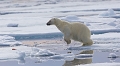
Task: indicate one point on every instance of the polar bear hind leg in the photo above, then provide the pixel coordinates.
(87, 42)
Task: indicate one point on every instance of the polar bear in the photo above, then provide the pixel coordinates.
(76, 31)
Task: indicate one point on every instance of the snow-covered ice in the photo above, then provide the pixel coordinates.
(29, 17)
(108, 13)
(22, 20)
(21, 52)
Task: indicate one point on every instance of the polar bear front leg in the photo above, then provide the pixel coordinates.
(67, 34)
(67, 38)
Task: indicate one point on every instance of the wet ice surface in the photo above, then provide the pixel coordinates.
(35, 56)
(102, 51)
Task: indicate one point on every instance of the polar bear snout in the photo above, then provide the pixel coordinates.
(52, 21)
(48, 23)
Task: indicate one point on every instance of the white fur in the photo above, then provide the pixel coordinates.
(76, 31)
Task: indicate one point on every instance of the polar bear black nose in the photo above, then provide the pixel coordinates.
(48, 23)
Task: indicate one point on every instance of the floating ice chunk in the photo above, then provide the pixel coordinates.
(34, 51)
(44, 53)
(117, 26)
(6, 40)
(8, 54)
(111, 12)
(72, 18)
(12, 25)
(112, 24)
(6, 37)
(108, 13)
(19, 53)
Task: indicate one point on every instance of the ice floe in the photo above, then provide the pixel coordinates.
(12, 25)
(112, 24)
(109, 13)
(118, 26)
(44, 53)
(73, 18)
(8, 54)
(22, 52)
(6, 40)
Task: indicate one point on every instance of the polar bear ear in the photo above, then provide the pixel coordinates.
(54, 18)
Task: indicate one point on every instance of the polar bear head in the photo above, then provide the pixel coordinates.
(53, 21)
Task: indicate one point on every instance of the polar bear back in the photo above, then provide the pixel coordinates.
(80, 31)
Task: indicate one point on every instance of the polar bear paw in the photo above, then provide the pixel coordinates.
(87, 44)
(67, 41)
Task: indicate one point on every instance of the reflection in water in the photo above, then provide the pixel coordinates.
(79, 61)
(21, 61)
(17, 56)
(113, 57)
